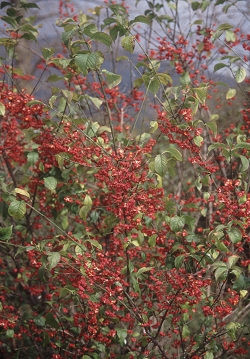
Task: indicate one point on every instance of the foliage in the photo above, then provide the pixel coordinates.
(124, 236)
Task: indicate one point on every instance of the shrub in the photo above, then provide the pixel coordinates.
(123, 236)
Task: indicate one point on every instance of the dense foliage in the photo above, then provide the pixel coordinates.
(125, 205)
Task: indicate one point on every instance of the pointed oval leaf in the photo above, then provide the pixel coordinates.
(102, 37)
(177, 223)
(230, 36)
(17, 209)
(22, 192)
(86, 62)
(185, 78)
(232, 260)
(219, 66)
(185, 331)
(50, 183)
(51, 321)
(143, 270)
(141, 18)
(112, 79)
(128, 43)
(40, 321)
(5, 233)
(230, 94)
(221, 274)
(198, 140)
(94, 243)
(152, 240)
(161, 164)
(240, 75)
(179, 261)
(2, 109)
(201, 94)
(175, 153)
(244, 162)
(235, 235)
(53, 259)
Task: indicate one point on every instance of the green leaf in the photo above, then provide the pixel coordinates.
(219, 31)
(244, 145)
(34, 102)
(241, 283)
(226, 8)
(230, 36)
(95, 100)
(244, 162)
(128, 43)
(102, 129)
(22, 192)
(232, 329)
(185, 78)
(114, 32)
(17, 209)
(138, 82)
(5, 233)
(94, 243)
(221, 274)
(179, 261)
(53, 259)
(219, 2)
(185, 331)
(177, 223)
(143, 270)
(164, 79)
(122, 335)
(240, 75)
(86, 62)
(175, 153)
(201, 94)
(219, 66)
(217, 145)
(121, 58)
(9, 333)
(40, 321)
(4, 3)
(212, 125)
(209, 355)
(221, 246)
(235, 235)
(232, 260)
(230, 94)
(9, 20)
(195, 5)
(102, 37)
(87, 205)
(118, 9)
(51, 321)
(152, 240)
(141, 18)
(152, 83)
(28, 28)
(29, 5)
(112, 79)
(32, 157)
(28, 36)
(50, 183)
(54, 78)
(2, 109)
(161, 165)
(153, 126)
(198, 140)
